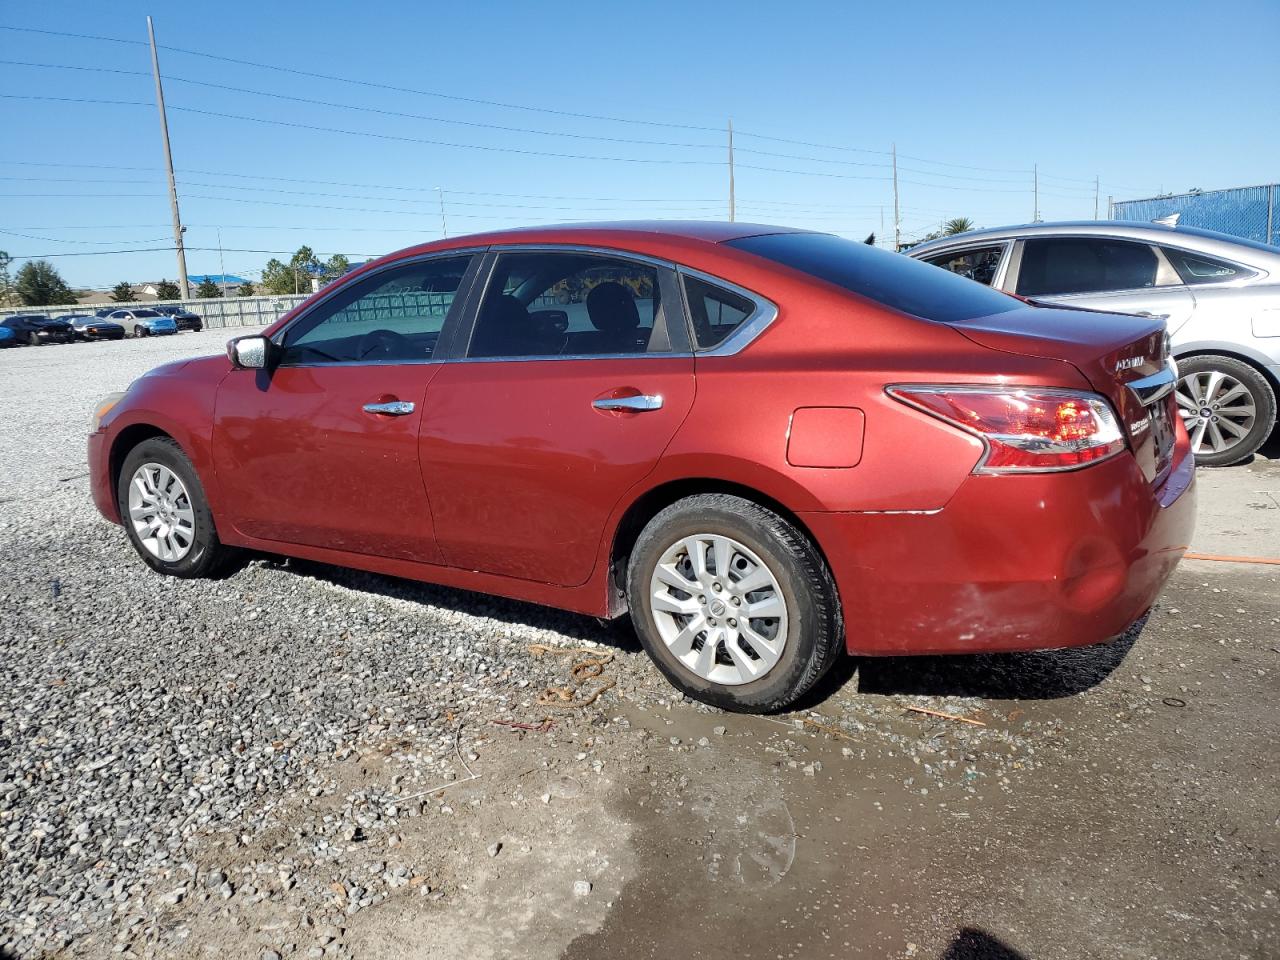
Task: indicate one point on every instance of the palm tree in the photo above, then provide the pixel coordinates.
(957, 225)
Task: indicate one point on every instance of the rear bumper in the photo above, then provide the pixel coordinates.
(1012, 563)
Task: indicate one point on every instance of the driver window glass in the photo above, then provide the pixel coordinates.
(976, 264)
(1064, 265)
(393, 317)
(567, 304)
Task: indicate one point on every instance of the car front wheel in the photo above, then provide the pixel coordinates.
(33, 339)
(163, 506)
(1228, 408)
(733, 603)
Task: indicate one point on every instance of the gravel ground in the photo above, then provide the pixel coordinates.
(299, 760)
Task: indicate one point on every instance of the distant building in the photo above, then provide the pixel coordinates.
(1251, 213)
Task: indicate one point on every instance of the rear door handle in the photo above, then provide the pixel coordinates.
(637, 404)
(393, 408)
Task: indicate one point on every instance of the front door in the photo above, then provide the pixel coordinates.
(322, 450)
(577, 375)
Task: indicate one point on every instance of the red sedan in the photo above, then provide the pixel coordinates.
(767, 445)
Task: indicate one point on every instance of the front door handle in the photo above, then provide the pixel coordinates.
(393, 408)
(635, 404)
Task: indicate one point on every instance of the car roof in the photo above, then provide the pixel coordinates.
(1204, 241)
(661, 238)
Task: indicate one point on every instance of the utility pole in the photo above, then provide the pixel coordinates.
(444, 227)
(732, 199)
(897, 218)
(1096, 187)
(168, 165)
(1035, 192)
(222, 267)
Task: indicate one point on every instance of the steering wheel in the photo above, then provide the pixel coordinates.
(388, 343)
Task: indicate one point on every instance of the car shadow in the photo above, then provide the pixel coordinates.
(577, 627)
(1036, 675)
(972, 944)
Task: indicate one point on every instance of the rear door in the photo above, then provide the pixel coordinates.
(1101, 273)
(575, 376)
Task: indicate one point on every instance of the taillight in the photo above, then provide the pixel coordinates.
(1025, 429)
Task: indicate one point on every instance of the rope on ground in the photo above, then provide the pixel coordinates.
(573, 696)
(1218, 558)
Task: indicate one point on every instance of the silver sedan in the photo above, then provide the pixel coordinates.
(1220, 296)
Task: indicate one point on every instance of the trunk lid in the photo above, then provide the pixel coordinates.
(1124, 357)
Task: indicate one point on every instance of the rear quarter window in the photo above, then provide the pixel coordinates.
(892, 279)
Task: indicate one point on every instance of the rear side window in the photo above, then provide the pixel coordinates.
(892, 279)
(553, 304)
(1063, 265)
(715, 311)
(1194, 268)
(978, 263)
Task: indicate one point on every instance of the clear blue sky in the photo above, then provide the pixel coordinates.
(1148, 96)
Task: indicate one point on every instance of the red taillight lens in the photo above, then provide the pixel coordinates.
(1026, 430)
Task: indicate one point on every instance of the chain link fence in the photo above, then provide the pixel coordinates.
(1252, 213)
(216, 313)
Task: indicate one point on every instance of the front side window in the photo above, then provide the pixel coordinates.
(394, 316)
(976, 263)
(1065, 265)
(548, 304)
(1195, 268)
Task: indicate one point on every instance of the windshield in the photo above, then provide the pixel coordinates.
(143, 314)
(892, 279)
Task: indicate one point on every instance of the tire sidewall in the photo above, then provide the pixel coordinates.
(202, 555)
(794, 672)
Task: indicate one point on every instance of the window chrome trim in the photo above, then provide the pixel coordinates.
(766, 311)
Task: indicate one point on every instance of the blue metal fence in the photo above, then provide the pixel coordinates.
(1249, 212)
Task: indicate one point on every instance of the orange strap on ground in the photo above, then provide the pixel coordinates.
(1213, 556)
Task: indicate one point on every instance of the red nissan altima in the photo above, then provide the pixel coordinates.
(768, 446)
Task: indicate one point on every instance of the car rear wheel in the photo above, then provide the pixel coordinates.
(1227, 406)
(734, 604)
(139, 331)
(33, 339)
(163, 506)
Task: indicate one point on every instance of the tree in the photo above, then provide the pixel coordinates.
(335, 267)
(277, 278)
(957, 225)
(167, 290)
(40, 285)
(7, 294)
(208, 289)
(245, 289)
(123, 293)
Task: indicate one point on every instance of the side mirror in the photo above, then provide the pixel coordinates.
(248, 353)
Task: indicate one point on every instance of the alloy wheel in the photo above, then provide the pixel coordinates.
(1217, 409)
(161, 512)
(719, 609)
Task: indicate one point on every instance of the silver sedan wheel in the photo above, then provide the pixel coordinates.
(1217, 410)
(161, 513)
(719, 609)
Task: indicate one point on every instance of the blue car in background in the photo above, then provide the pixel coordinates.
(8, 338)
(144, 322)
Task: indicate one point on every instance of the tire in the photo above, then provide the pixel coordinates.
(139, 332)
(33, 339)
(204, 555)
(1212, 378)
(810, 623)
